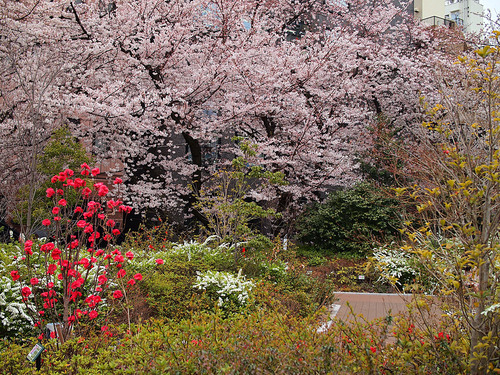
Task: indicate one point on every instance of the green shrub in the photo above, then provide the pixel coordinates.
(169, 289)
(350, 221)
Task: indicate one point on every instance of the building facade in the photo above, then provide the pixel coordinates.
(466, 13)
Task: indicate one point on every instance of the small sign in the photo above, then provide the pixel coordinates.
(35, 352)
(361, 277)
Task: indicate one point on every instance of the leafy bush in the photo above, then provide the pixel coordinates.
(169, 289)
(351, 220)
(263, 342)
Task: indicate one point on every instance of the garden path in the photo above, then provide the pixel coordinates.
(370, 305)
(349, 306)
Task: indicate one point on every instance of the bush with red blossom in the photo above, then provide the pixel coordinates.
(66, 278)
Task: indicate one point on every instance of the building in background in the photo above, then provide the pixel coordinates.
(431, 12)
(466, 13)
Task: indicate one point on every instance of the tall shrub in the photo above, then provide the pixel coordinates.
(350, 220)
(66, 278)
(458, 170)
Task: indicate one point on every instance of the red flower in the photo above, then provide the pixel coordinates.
(117, 294)
(46, 248)
(62, 176)
(54, 179)
(95, 171)
(78, 210)
(117, 181)
(51, 269)
(116, 232)
(50, 285)
(110, 223)
(102, 279)
(56, 254)
(159, 261)
(373, 349)
(119, 258)
(60, 191)
(50, 192)
(57, 218)
(126, 209)
(103, 191)
(131, 282)
(46, 222)
(25, 291)
(34, 281)
(79, 182)
(93, 314)
(62, 202)
(138, 276)
(121, 273)
(129, 255)
(81, 224)
(86, 192)
(15, 275)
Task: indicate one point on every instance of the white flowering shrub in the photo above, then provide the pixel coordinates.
(194, 248)
(276, 269)
(229, 290)
(401, 266)
(14, 318)
(146, 259)
(395, 264)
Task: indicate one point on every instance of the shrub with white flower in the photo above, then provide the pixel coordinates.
(230, 290)
(395, 265)
(14, 318)
(147, 259)
(193, 248)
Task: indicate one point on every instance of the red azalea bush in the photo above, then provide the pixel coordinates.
(68, 275)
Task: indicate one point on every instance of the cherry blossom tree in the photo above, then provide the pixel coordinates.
(165, 85)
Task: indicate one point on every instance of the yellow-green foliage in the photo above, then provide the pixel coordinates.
(456, 194)
(263, 342)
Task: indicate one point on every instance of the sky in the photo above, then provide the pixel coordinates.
(494, 5)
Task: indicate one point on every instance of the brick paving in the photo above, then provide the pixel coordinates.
(370, 305)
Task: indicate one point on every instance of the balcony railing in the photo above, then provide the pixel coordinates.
(438, 21)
